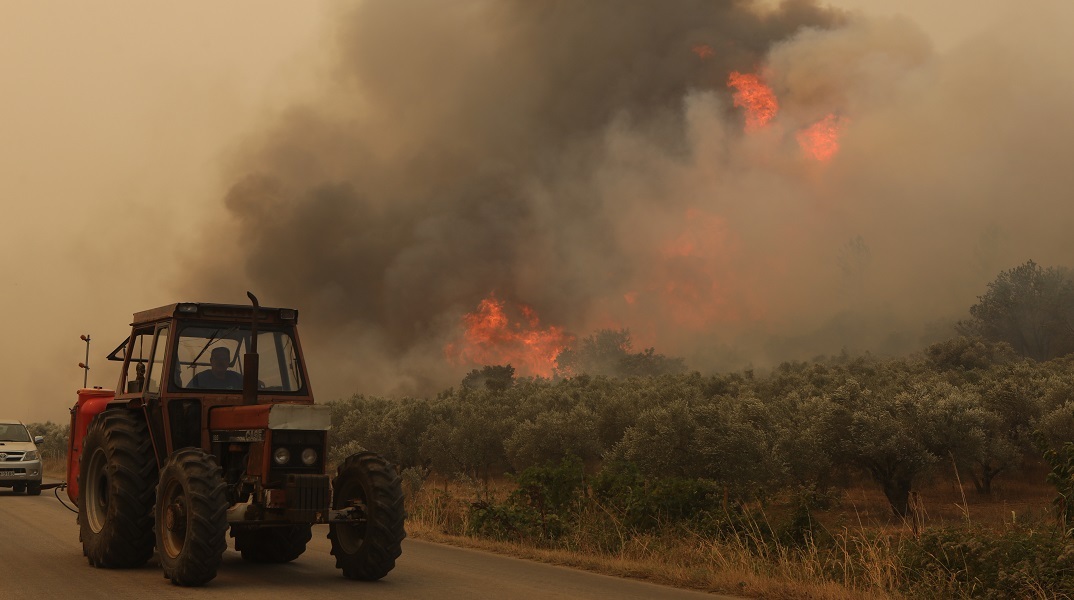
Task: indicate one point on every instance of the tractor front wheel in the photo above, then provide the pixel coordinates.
(366, 548)
(115, 505)
(280, 544)
(191, 517)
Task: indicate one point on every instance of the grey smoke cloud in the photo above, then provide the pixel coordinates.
(586, 160)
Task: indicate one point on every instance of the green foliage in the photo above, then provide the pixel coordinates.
(539, 509)
(646, 503)
(56, 438)
(552, 436)
(1029, 307)
(496, 378)
(397, 429)
(607, 352)
(1061, 475)
(468, 432)
(968, 353)
(551, 489)
(505, 521)
(972, 562)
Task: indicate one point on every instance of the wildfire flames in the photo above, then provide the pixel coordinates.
(702, 51)
(821, 139)
(754, 96)
(491, 336)
(699, 284)
(696, 284)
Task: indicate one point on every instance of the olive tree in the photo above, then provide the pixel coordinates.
(1029, 307)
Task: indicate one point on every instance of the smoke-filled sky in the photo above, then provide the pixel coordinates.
(386, 166)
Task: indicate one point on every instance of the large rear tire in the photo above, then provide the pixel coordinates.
(116, 482)
(281, 544)
(367, 548)
(191, 517)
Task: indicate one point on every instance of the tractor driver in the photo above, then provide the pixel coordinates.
(218, 377)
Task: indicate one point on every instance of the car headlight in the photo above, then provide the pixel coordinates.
(282, 456)
(31, 455)
(309, 456)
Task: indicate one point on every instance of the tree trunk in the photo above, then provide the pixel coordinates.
(897, 491)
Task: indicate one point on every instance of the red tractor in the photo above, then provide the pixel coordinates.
(195, 441)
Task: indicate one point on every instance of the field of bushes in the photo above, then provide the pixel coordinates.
(759, 471)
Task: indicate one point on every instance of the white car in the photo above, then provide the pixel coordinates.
(20, 463)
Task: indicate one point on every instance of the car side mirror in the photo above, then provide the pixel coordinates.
(39, 439)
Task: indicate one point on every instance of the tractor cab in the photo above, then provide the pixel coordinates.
(183, 360)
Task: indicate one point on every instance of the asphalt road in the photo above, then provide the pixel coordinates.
(41, 557)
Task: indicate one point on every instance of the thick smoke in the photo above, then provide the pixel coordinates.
(586, 159)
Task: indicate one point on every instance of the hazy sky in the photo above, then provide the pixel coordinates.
(150, 151)
(116, 119)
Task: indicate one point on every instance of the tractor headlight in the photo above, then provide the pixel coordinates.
(31, 455)
(309, 456)
(282, 456)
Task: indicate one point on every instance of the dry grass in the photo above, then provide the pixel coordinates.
(860, 560)
(54, 467)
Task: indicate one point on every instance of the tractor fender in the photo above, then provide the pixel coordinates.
(91, 402)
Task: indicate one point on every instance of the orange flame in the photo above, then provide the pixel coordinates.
(821, 139)
(757, 98)
(492, 337)
(702, 51)
(698, 283)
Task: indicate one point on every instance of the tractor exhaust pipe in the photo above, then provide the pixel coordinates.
(249, 360)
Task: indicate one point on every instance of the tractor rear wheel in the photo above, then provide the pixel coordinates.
(116, 482)
(191, 517)
(367, 548)
(279, 544)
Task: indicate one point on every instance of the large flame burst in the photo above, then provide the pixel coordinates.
(492, 336)
(757, 98)
(819, 141)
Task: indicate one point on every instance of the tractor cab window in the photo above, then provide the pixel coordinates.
(141, 344)
(210, 357)
(158, 362)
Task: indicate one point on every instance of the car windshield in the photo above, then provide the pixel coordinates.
(13, 432)
(209, 357)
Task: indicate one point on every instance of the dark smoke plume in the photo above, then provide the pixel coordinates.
(584, 158)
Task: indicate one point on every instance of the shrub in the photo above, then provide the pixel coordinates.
(1020, 562)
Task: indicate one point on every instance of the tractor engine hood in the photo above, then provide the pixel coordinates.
(306, 417)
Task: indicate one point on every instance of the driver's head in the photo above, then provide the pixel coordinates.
(220, 359)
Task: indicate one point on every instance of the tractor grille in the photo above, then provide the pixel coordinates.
(307, 498)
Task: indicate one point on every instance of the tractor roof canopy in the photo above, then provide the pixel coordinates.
(216, 312)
